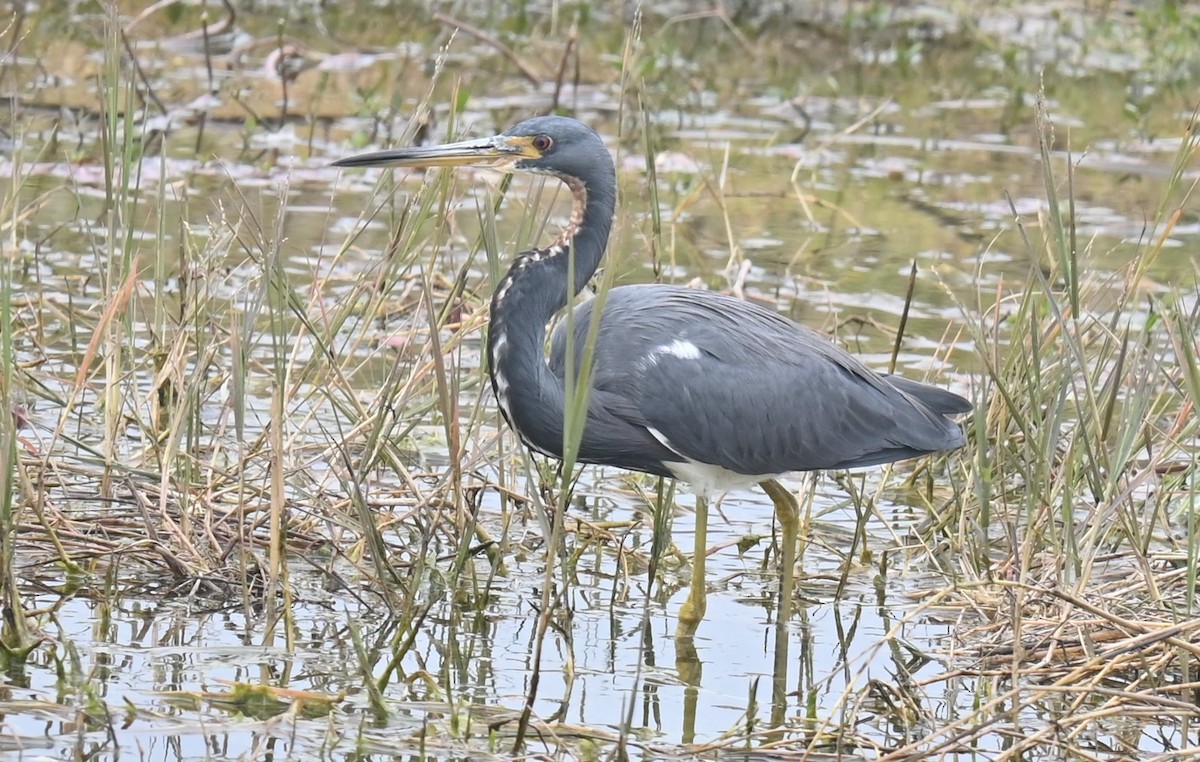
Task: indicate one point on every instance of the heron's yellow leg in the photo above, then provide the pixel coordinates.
(788, 511)
(692, 611)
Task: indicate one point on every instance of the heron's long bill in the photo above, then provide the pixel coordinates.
(497, 151)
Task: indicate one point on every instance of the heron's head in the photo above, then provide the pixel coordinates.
(554, 145)
(558, 145)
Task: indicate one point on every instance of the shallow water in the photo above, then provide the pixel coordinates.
(827, 158)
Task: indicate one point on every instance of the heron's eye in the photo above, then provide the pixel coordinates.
(543, 142)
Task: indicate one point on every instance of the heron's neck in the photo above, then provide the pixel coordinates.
(535, 288)
(536, 285)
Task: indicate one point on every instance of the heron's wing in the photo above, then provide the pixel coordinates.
(724, 382)
(616, 432)
(777, 417)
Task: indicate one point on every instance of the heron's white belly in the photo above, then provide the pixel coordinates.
(706, 479)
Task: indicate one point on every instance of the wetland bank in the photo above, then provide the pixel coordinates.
(258, 500)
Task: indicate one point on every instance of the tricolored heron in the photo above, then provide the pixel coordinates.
(689, 384)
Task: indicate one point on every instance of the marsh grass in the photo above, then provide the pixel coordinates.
(222, 426)
(16, 638)
(1074, 538)
(1071, 572)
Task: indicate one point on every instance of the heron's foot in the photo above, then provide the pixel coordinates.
(787, 509)
(691, 613)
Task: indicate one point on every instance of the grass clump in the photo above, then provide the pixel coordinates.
(1075, 547)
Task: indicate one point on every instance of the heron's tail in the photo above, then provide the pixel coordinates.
(936, 399)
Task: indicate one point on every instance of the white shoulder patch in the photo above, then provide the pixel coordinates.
(684, 350)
